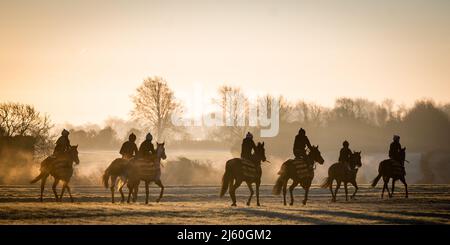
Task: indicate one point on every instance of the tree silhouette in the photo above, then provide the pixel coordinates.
(24, 120)
(154, 104)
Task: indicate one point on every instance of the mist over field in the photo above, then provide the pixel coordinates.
(206, 167)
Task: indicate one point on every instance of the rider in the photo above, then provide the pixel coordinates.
(345, 153)
(129, 148)
(301, 141)
(62, 144)
(247, 146)
(394, 149)
(146, 149)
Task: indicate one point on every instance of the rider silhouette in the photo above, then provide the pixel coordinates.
(301, 141)
(345, 153)
(247, 146)
(394, 149)
(146, 149)
(129, 148)
(62, 144)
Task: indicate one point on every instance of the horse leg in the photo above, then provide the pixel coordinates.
(384, 187)
(113, 185)
(338, 185)
(356, 189)
(403, 180)
(70, 193)
(291, 191)
(284, 191)
(43, 180)
(258, 183)
(306, 187)
(55, 183)
(130, 191)
(387, 186)
(393, 186)
(62, 191)
(121, 192)
(147, 192)
(333, 198)
(159, 183)
(346, 191)
(233, 191)
(251, 192)
(135, 191)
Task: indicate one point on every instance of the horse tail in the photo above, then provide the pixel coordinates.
(226, 179)
(375, 181)
(280, 180)
(380, 170)
(40, 176)
(327, 182)
(278, 185)
(105, 178)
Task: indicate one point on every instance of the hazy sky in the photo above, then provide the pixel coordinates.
(80, 61)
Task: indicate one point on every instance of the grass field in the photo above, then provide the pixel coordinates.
(427, 204)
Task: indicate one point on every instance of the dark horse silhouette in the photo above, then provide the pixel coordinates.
(343, 173)
(387, 170)
(289, 171)
(60, 168)
(234, 176)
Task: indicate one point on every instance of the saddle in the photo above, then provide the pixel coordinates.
(249, 169)
(397, 168)
(147, 168)
(55, 161)
(303, 169)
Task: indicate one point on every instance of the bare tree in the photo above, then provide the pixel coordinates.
(234, 105)
(154, 104)
(24, 120)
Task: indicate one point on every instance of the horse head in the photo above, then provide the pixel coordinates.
(260, 152)
(315, 155)
(355, 160)
(74, 153)
(160, 151)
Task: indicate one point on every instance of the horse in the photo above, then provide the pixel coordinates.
(289, 171)
(342, 172)
(116, 170)
(60, 168)
(388, 169)
(138, 170)
(234, 175)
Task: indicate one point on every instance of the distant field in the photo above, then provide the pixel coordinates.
(428, 204)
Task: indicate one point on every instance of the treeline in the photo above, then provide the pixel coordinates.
(367, 125)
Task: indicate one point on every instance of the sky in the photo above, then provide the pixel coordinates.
(81, 61)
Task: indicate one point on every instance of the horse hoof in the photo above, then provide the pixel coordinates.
(233, 205)
(258, 204)
(304, 202)
(248, 204)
